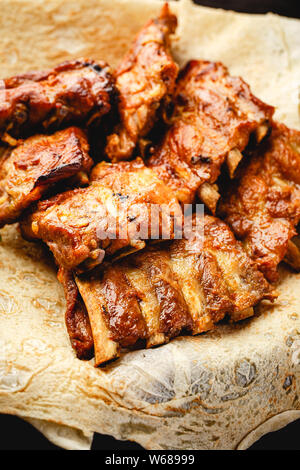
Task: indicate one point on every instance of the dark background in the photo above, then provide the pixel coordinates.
(19, 435)
(282, 7)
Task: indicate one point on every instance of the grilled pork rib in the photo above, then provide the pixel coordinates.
(75, 92)
(144, 79)
(263, 204)
(213, 118)
(184, 285)
(111, 217)
(36, 164)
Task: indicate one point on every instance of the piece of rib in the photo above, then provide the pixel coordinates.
(144, 79)
(75, 92)
(36, 164)
(263, 205)
(213, 118)
(182, 286)
(76, 317)
(113, 216)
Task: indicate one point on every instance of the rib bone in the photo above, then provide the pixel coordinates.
(233, 159)
(209, 195)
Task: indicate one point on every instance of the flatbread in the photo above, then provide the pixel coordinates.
(59, 30)
(63, 436)
(221, 390)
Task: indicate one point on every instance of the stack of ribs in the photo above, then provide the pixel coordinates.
(127, 284)
(162, 291)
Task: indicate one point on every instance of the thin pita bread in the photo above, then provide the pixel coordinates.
(63, 436)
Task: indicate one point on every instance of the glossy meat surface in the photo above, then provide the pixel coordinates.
(145, 77)
(112, 216)
(178, 286)
(37, 163)
(75, 92)
(263, 206)
(76, 317)
(213, 118)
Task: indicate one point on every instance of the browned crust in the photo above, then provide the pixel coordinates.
(174, 315)
(74, 92)
(30, 169)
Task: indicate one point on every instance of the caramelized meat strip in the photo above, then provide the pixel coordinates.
(28, 170)
(184, 285)
(77, 319)
(214, 116)
(112, 216)
(263, 204)
(144, 79)
(74, 92)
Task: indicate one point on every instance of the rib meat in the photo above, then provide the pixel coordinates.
(185, 285)
(112, 216)
(263, 204)
(76, 317)
(74, 92)
(36, 164)
(144, 79)
(214, 116)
